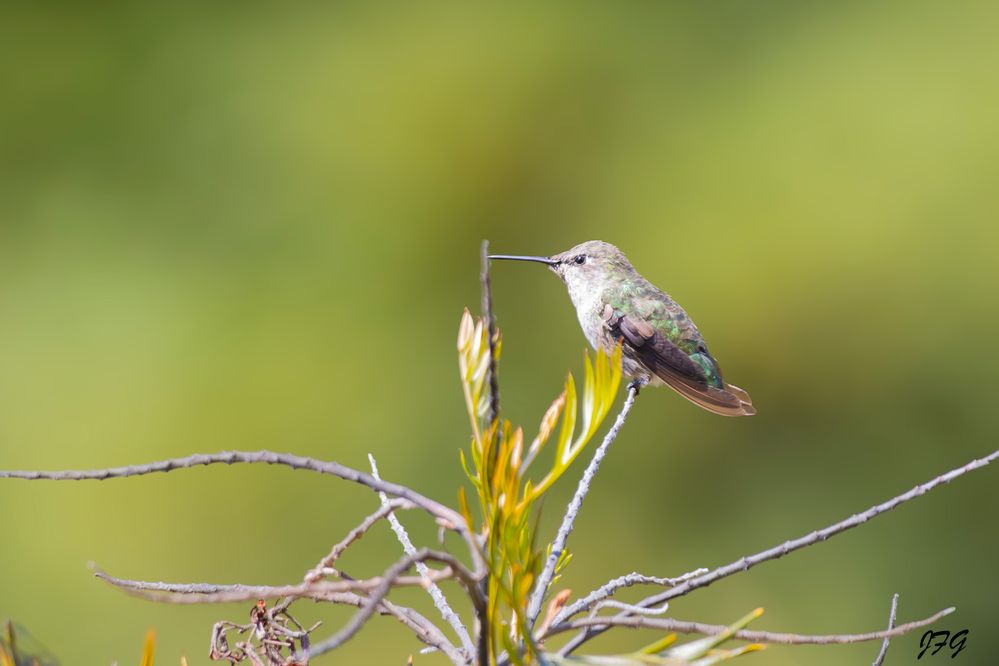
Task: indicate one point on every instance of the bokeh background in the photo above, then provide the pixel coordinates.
(255, 226)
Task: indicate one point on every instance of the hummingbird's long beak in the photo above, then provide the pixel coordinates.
(516, 257)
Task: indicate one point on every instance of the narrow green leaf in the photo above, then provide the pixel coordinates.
(660, 645)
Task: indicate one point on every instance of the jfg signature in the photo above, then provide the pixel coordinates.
(942, 639)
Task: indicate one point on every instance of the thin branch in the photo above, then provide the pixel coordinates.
(337, 592)
(558, 545)
(448, 517)
(612, 586)
(631, 608)
(746, 563)
(325, 566)
(207, 593)
(487, 314)
(435, 592)
(424, 629)
(386, 509)
(379, 593)
(494, 413)
(891, 625)
(668, 624)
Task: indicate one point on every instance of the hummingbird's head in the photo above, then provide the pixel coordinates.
(589, 264)
(584, 266)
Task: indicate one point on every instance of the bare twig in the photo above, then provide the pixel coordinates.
(612, 586)
(387, 581)
(207, 593)
(435, 592)
(494, 411)
(631, 608)
(424, 629)
(338, 592)
(745, 563)
(220, 642)
(668, 624)
(891, 625)
(487, 314)
(558, 545)
(386, 509)
(446, 516)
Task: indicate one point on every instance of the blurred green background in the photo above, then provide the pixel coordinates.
(256, 225)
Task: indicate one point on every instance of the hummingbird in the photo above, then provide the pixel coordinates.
(659, 343)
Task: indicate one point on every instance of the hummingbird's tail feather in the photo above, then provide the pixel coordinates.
(747, 402)
(730, 401)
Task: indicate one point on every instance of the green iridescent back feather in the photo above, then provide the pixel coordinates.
(634, 295)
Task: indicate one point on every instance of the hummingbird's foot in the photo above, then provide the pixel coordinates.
(637, 384)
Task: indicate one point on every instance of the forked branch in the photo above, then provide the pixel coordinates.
(818, 536)
(440, 601)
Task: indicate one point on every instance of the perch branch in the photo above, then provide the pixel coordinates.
(493, 415)
(487, 314)
(668, 624)
(435, 592)
(745, 563)
(891, 625)
(558, 545)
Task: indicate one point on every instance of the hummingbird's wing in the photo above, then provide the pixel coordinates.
(675, 367)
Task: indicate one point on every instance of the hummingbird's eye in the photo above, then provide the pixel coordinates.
(579, 259)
